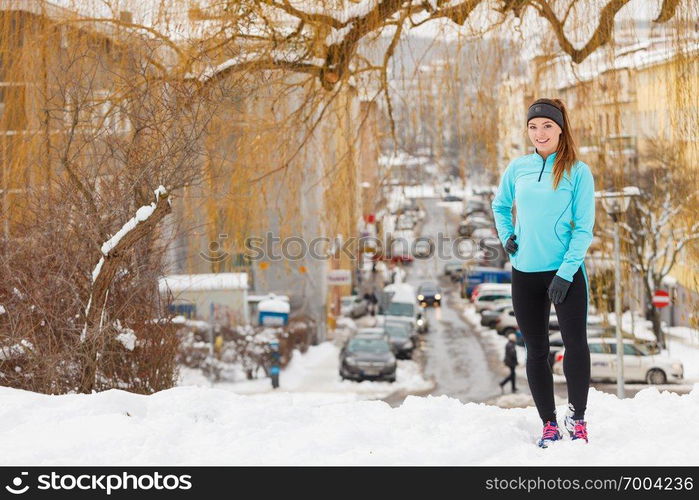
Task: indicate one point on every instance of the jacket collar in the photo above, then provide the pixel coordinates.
(549, 159)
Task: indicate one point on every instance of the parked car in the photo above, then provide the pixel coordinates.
(481, 275)
(475, 205)
(489, 317)
(452, 267)
(353, 306)
(486, 298)
(407, 323)
(639, 364)
(489, 294)
(401, 246)
(452, 197)
(372, 332)
(406, 221)
(555, 346)
(457, 276)
(471, 223)
(429, 294)
(485, 233)
(609, 332)
(506, 323)
(364, 358)
(400, 339)
(424, 248)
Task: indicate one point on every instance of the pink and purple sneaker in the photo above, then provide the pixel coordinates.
(577, 429)
(550, 434)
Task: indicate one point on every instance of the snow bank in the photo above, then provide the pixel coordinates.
(199, 425)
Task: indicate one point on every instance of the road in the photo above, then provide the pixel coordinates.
(454, 356)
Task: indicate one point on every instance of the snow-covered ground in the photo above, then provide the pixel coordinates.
(316, 371)
(200, 425)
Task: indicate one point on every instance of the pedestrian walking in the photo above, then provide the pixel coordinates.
(510, 362)
(373, 300)
(554, 196)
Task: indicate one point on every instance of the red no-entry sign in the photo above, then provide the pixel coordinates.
(661, 298)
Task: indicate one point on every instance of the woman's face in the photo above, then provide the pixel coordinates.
(544, 134)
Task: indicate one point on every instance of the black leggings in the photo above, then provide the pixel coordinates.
(532, 305)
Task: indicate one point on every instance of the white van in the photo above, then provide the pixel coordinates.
(399, 300)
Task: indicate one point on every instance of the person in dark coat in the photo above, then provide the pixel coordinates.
(510, 361)
(373, 300)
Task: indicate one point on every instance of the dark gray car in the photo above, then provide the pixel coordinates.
(401, 339)
(365, 358)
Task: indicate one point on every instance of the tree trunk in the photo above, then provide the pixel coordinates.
(653, 314)
(92, 341)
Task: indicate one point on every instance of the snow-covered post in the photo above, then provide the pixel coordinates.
(144, 222)
(616, 204)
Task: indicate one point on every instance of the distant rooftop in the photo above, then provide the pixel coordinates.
(198, 282)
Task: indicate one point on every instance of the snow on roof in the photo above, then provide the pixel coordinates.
(638, 56)
(404, 293)
(259, 298)
(207, 281)
(273, 304)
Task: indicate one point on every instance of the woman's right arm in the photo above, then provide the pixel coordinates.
(502, 205)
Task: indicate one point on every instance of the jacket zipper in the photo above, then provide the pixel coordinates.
(543, 164)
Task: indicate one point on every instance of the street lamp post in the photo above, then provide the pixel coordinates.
(615, 204)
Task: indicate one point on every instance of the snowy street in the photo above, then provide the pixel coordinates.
(462, 366)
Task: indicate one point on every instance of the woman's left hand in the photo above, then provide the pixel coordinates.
(558, 289)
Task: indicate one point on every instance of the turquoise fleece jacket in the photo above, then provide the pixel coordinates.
(553, 228)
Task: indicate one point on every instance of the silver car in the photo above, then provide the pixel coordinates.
(639, 364)
(353, 306)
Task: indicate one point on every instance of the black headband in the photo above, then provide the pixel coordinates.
(545, 110)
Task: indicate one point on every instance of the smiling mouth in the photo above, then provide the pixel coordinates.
(542, 142)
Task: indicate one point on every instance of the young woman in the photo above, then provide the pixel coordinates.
(554, 198)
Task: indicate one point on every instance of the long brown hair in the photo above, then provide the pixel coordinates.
(566, 153)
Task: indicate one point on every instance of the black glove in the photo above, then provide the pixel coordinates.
(558, 289)
(510, 245)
